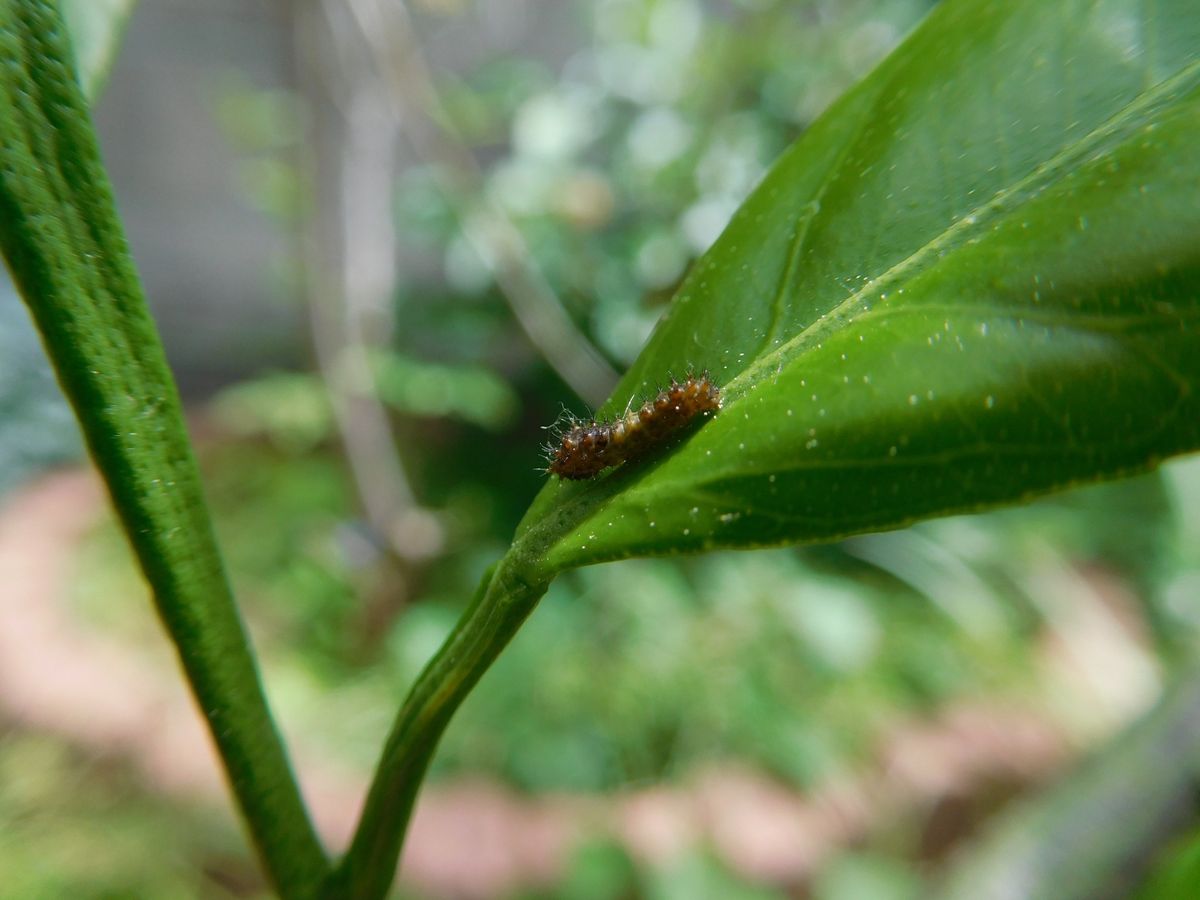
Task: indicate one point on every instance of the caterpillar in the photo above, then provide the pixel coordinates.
(588, 448)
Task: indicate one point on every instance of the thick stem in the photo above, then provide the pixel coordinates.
(63, 242)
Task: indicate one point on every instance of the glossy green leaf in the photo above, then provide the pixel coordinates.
(975, 279)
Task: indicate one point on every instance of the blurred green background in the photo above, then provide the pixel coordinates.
(347, 226)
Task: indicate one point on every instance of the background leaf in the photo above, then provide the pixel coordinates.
(1093, 835)
(96, 27)
(974, 280)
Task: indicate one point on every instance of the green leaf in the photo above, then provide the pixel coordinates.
(1176, 877)
(976, 279)
(96, 27)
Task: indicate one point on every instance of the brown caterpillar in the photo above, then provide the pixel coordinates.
(587, 448)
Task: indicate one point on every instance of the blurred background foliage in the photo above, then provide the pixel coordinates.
(616, 138)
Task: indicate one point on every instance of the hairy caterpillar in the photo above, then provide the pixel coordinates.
(587, 448)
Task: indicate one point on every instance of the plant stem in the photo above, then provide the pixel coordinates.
(63, 242)
(502, 602)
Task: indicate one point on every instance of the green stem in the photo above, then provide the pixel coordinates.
(64, 245)
(503, 601)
